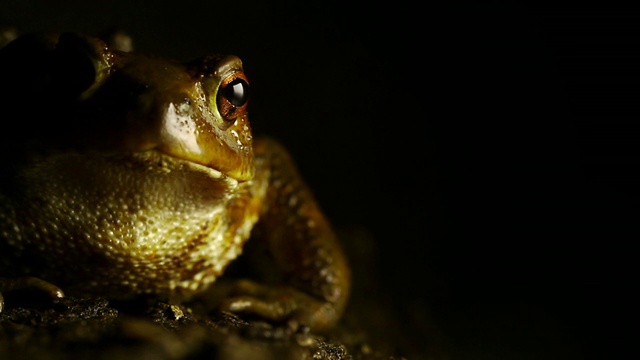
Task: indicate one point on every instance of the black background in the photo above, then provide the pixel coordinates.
(491, 151)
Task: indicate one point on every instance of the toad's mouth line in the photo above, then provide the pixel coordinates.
(170, 163)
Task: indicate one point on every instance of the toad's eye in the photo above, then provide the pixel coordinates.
(233, 96)
(236, 92)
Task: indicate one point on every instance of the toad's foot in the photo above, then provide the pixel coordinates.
(11, 284)
(280, 304)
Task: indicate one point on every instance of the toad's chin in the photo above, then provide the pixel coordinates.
(157, 163)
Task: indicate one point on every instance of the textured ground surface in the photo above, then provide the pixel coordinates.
(90, 328)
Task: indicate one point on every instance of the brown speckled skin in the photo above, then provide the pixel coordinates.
(151, 184)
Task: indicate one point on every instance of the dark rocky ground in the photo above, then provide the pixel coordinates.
(92, 329)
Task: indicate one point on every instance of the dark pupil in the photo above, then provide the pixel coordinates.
(236, 92)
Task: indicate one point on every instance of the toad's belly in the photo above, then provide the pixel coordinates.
(102, 225)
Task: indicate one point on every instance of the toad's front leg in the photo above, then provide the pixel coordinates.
(303, 246)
